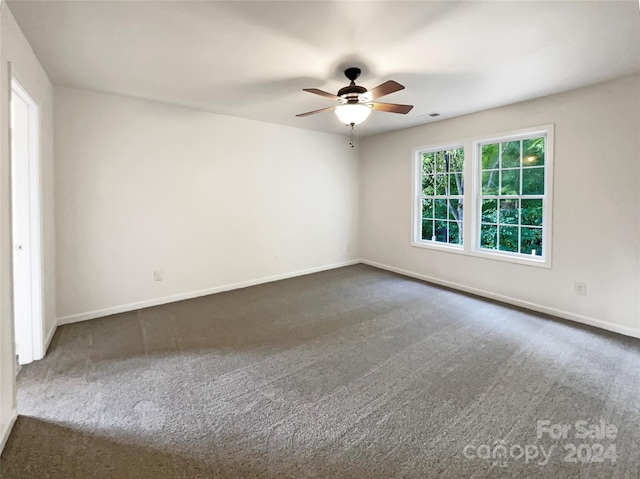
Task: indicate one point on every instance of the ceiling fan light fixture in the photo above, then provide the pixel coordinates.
(353, 113)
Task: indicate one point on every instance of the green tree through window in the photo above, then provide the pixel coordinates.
(512, 196)
(442, 196)
(509, 212)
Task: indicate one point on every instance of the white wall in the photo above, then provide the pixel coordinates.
(210, 199)
(595, 212)
(25, 67)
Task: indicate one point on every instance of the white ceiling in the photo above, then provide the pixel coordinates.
(252, 59)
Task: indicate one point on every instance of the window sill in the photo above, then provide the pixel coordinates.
(537, 262)
(447, 247)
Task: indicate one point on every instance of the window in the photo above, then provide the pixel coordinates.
(512, 196)
(441, 198)
(510, 193)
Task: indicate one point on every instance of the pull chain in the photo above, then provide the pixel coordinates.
(351, 136)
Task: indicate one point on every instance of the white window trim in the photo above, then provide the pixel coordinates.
(545, 260)
(473, 176)
(416, 230)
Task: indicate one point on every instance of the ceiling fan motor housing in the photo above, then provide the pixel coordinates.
(351, 93)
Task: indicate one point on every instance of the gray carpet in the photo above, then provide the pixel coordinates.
(350, 373)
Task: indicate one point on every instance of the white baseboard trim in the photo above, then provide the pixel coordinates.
(6, 430)
(47, 340)
(75, 318)
(634, 333)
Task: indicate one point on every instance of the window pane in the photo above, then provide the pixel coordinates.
(533, 152)
(456, 179)
(490, 182)
(441, 184)
(427, 208)
(531, 212)
(427, 229)
(441, 209)
(489, 211)
(531, 240)
(510, 154)
(428, 188)
(533, 181)
(455, 210)
(454, 233)
(510, 182)
(509, 238)
(488, 236)
(441, 167)
(490, 156)
(509, 212)
(457, 161)
(428, 163)
(512, 195)
(442, 175)
(441, 231)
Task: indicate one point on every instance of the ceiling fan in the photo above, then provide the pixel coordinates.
(356, 102)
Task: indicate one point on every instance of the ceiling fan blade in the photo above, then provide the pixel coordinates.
(382, 90)
(391, 107)
(316, 111)
(321, 93)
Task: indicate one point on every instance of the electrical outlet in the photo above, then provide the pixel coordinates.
(581, 288)
(158, 275)
(349, 247)
(276, 258)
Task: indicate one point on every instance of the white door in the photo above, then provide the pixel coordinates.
(26, 226)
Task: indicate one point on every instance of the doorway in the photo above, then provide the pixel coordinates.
(26, 224)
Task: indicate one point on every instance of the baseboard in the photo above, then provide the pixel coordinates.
(47, 340)
(6, 430)
(634, 333)
(195, 294)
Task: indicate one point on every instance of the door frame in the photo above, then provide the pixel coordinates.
(30, 338)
